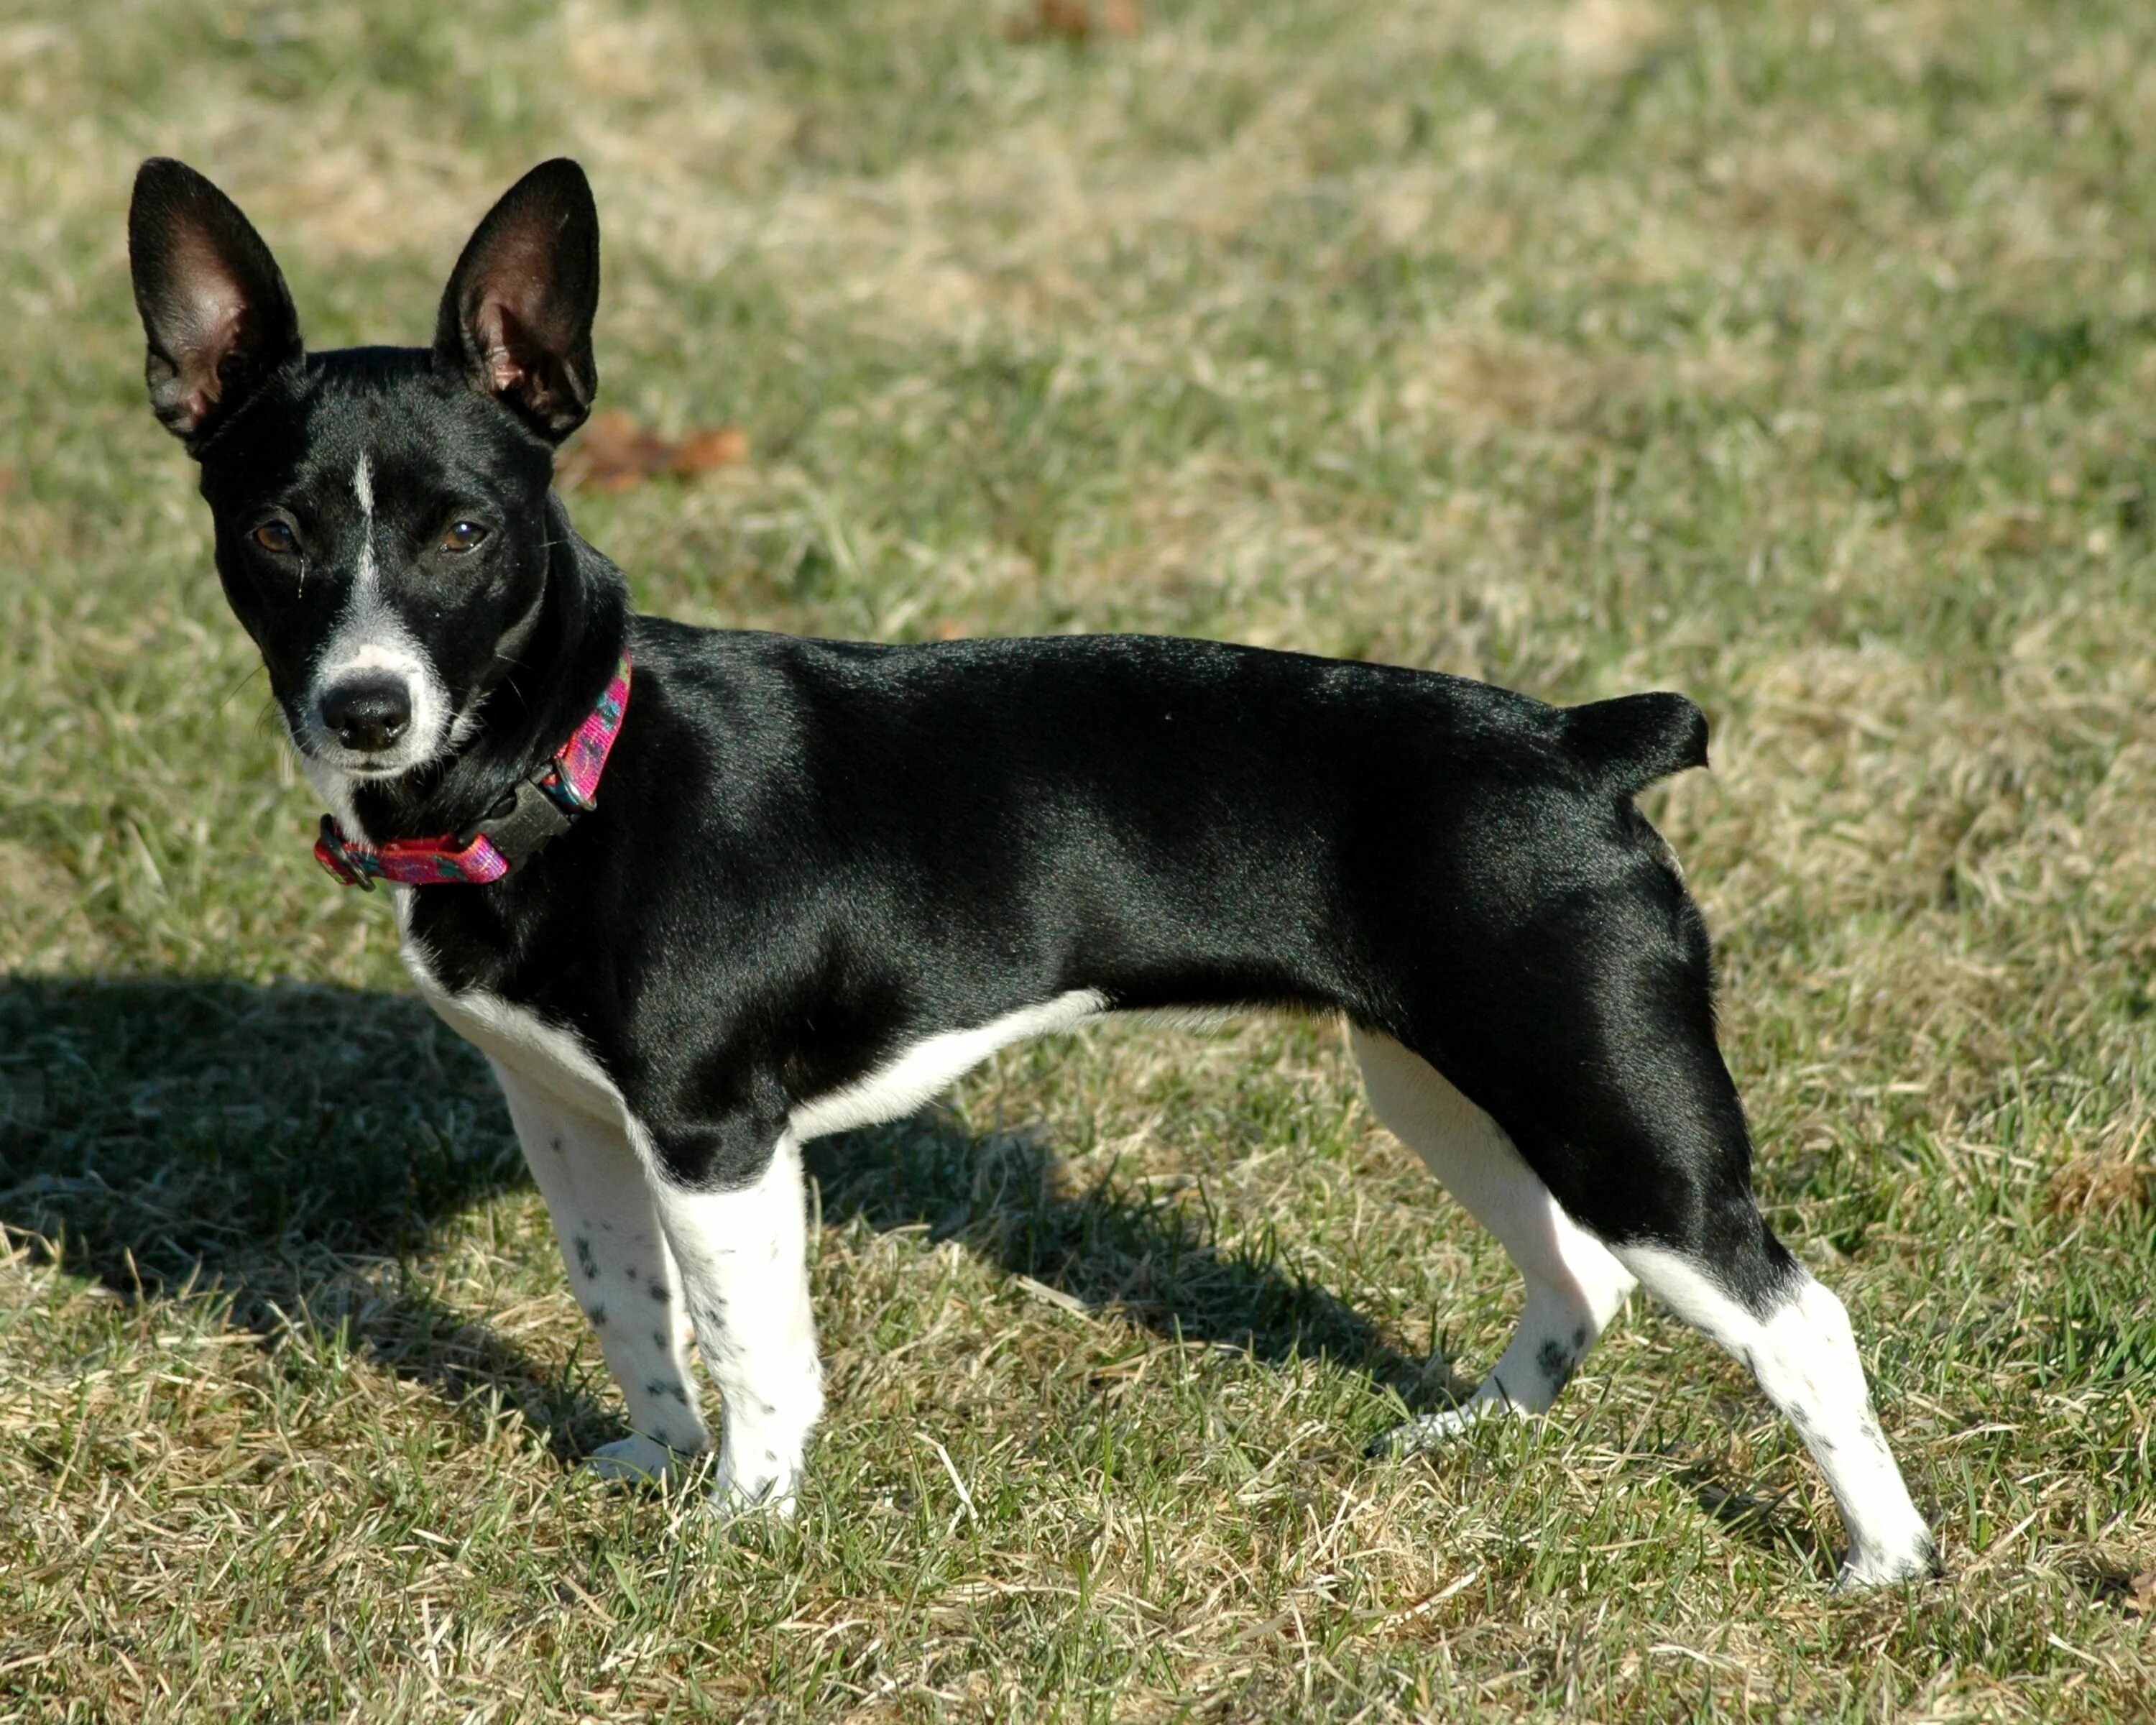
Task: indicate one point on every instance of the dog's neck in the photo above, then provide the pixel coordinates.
(551, 675)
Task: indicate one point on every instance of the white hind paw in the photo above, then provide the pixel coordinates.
(1431, 1431)
(636, 1457)
(1913, 1559)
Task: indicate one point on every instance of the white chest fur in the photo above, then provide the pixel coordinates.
(547, 1058)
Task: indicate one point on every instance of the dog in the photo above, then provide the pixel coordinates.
(701, 895)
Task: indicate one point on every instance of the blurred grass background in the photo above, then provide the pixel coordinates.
(1795, 355)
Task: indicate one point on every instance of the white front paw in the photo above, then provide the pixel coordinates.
(769, 1490)
(636, 1457)
(1912, 1558)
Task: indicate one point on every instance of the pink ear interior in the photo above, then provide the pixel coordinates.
(214, 311)
(518, 361)
(513, 287)
(515, 318)
(504, 371)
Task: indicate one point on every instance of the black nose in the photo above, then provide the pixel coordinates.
(367, 712)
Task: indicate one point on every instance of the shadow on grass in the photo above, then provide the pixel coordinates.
(1152, 1259)
(278, 1144)
(1148, 1255)
(1764, 1520)
(274, 1145)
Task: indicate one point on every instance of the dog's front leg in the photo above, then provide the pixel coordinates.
(742, 1253)
(620, 1270)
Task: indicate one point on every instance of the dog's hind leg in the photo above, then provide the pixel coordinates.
(1599, 1060)
(1652, 1157)
(743, 1258)
(1794, 1336)
(621, 1272)
(1574, 1286)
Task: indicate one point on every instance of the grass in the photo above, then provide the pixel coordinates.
(1797, 355)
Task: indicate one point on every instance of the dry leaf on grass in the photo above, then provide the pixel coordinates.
(616, 453)
(1076, 21)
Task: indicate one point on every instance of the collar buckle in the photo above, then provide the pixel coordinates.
(522, 821)
(330, 852)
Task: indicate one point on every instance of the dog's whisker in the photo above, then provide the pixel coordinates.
(226, 699)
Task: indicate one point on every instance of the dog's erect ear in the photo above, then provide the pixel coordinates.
(517, 318)
(217, 312)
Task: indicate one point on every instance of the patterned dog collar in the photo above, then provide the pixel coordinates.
(539, 808)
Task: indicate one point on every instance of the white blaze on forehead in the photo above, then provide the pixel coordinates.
(363, 487)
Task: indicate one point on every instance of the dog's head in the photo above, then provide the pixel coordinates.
(381, 513)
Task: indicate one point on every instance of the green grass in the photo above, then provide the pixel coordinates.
(1798, 356)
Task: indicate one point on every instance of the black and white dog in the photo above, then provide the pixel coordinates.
(820, 880)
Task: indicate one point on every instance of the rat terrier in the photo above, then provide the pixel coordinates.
(701, 896)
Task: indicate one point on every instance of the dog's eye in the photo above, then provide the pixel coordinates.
(464, 536)
(277, 537)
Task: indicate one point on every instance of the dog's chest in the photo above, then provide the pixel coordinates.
(551, 1059)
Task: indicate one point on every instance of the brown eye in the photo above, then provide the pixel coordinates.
(276, 536)
(464, 536)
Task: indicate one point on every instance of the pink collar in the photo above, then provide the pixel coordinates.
(545, 804)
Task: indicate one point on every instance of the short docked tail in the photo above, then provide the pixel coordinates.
(1630, 743)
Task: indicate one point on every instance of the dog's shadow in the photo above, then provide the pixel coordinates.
(285, 1145)
(1148, 1255)
(282, 1146)
(288, 1146)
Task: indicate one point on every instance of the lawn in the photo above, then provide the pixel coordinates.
(1796, 356)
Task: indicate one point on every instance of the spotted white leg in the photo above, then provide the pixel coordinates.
(1574, 1286)
(621, 1270)
(743, 1258)
(1804, 1356)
